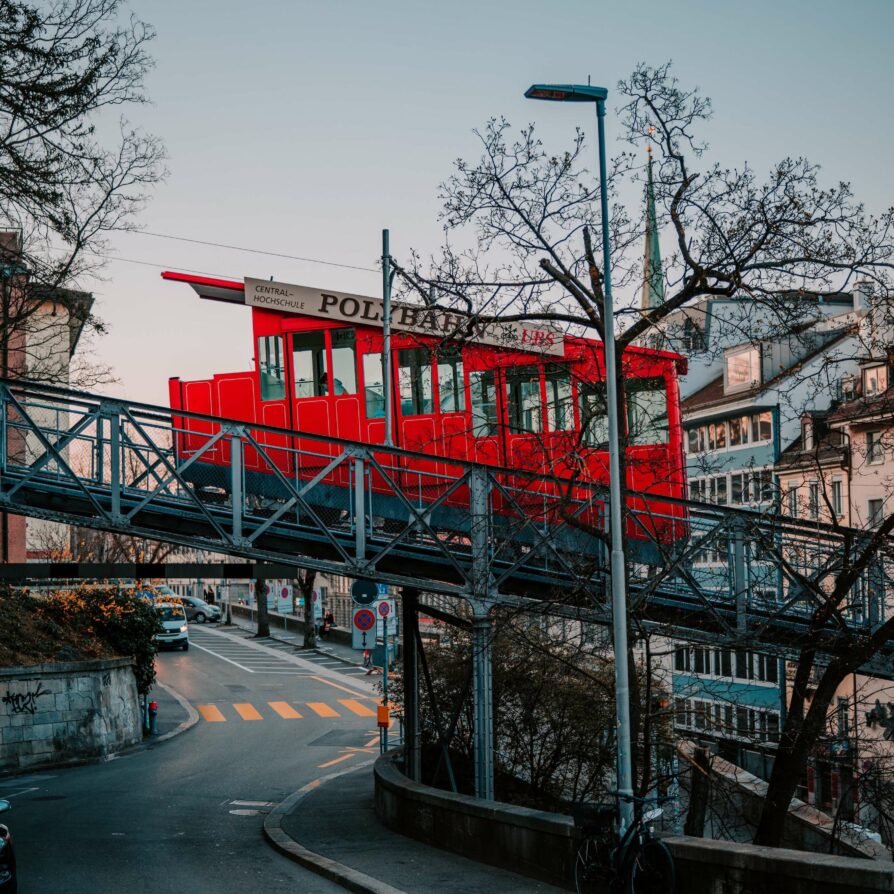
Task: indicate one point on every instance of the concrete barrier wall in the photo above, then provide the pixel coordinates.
(287, 623)
(71, 711)
(543, 845)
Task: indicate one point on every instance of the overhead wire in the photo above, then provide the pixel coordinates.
(256, 251)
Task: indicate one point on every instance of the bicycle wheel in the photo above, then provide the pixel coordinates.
(651, 869)
(587, 875)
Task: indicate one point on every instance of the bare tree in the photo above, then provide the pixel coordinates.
(69, 176)
(521, 223)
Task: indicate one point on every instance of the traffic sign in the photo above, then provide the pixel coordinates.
(384, 608)
(383, 590)
(364, 592)
(364, 619)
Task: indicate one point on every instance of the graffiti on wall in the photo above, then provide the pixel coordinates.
(23, 702)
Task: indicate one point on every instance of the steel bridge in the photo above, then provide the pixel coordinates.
(487, 535)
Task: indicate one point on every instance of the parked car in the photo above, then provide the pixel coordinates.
(200, 611)
(8, 876)
(173, 619)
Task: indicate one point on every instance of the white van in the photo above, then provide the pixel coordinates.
(173, 619)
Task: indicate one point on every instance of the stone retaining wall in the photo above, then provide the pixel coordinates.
(67, 712)
(543, 845)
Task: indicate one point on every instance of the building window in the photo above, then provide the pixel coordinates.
(451, 388)
(309, 362)
(813, 499)
(374, 386)
(807, 434)
(875, 450)
(837, 502)
(843, 717)
(761, 426)
(271, 366)
(875, 512)
(792, 500)
(483, 390)
(692, 435)
(647, 411)
(875, 380)
(414, 378)
(344, 362)
(742, 369)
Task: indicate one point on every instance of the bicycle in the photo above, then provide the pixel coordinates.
(637, 863)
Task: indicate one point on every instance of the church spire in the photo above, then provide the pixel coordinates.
(653, 275)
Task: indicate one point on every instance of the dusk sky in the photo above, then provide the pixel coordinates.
(304, 128)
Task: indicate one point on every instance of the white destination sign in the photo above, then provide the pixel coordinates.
(366, 311)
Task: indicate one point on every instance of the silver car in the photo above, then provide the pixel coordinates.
(198, 610)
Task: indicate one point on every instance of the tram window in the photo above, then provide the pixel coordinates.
(593, 414)
(309, 360)
(524, 400)
(559, 407)
(483, 388)
(451, 389)
(414, 377)
(646, 411)
(344, 363)
(271, 367)
(374, 386)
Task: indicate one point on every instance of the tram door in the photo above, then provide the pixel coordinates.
(418, 422)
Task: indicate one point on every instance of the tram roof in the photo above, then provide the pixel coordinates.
(234, 292)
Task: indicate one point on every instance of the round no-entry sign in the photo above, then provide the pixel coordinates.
(364, 619)
(384, 609)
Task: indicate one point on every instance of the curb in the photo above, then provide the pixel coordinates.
(352, 879)
(192, 715)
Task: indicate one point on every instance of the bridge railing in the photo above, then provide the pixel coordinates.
(453, 526)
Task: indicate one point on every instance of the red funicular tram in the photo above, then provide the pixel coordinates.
(511, 395)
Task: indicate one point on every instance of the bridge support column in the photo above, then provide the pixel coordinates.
(482, 635)
(482, 674)
(410, 647)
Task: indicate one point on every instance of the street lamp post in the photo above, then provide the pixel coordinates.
(598, 95)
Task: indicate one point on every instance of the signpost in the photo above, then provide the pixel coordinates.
(363, 628)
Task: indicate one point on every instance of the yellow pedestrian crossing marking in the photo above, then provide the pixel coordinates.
(353, 705)
(220, 713)
(284, 709)
(247, 711)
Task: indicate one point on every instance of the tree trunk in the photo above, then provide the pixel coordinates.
(305, 583)
(261, 597)
(699, 791)
(797, 739)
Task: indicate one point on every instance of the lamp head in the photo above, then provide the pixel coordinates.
(566, 92)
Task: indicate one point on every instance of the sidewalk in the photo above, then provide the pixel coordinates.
(337, 821)
(295, 638)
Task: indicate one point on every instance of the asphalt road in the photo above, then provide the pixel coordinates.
(186, 816)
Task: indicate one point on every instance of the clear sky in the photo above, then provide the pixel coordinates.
(306, 126)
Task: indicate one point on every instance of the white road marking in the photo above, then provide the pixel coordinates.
(24, 791)
(287, 659)
(253, 803)
(223, 658)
